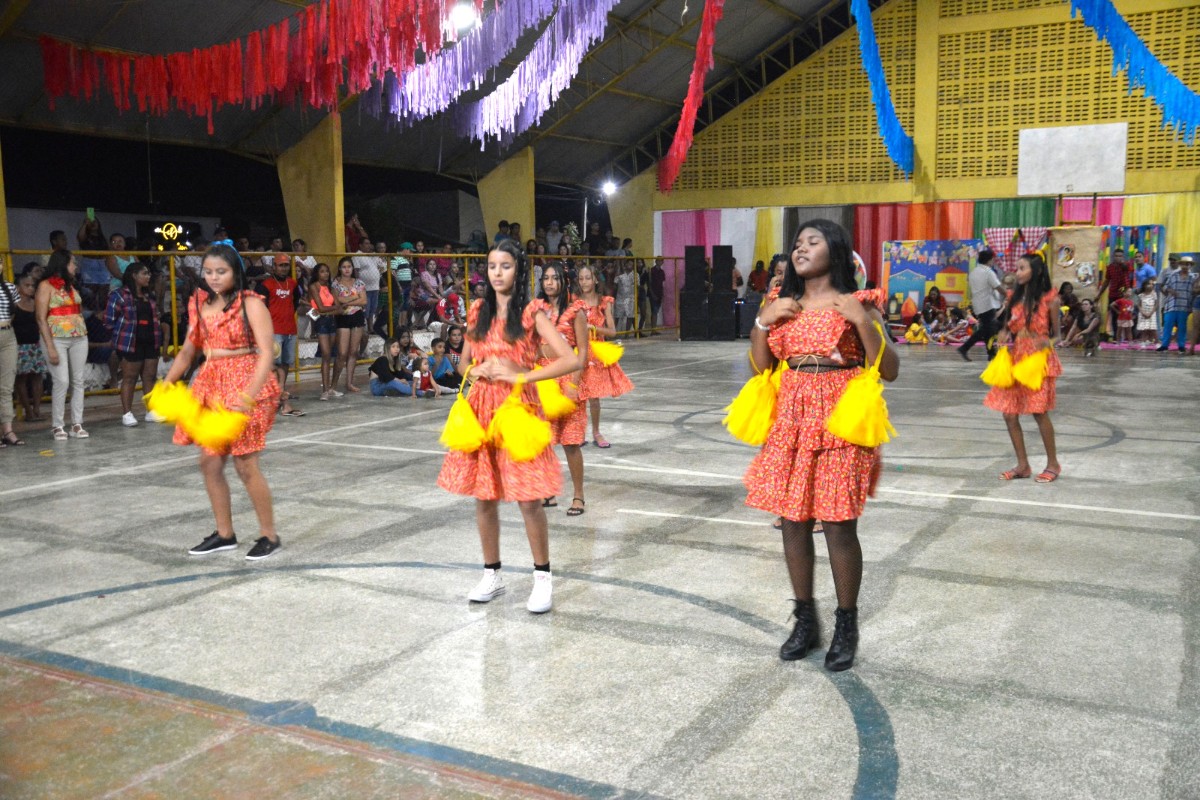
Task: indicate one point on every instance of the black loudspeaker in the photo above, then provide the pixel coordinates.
(747, 310)
(722, 267)
(693, 316)
(695, 271)
(721, 323)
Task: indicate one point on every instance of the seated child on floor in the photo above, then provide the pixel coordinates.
(423, 383)
(961, 325)
(916, 334)
(390, 376)
(1086, 330)
(441, 366)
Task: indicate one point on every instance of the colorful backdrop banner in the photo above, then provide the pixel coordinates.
(911, 268)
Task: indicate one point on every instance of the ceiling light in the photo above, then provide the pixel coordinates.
(608, 188)
(463, 16)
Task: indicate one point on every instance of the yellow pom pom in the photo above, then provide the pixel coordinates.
(1065, 309)
(175, 403)
(999, 372)
(216, 428)
(462, 431)
(1031, 370)
(522, 434)
(752, 413)
(555, 404)
(861, 416)
(607, 353)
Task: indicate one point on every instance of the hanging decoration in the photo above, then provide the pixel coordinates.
(518, 103)
(433, 86)
(898, 143)
(1180, 105)
(670, 164)
(331, 48)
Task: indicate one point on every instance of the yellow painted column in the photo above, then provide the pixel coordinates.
(507, 193)
(631, 210)
(310, 173)
(925, 100)
(6, 268)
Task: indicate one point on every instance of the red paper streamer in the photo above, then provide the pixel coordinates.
(330, 49)
(672, 162)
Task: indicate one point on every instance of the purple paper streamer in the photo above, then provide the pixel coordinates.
(433, 86)
(519, 102)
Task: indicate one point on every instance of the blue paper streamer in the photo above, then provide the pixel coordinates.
(1180, 105)
(898, 143)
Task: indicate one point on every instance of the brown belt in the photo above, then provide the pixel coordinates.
(802, 365)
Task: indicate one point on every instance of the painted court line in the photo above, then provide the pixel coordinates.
(191, 457)
(683, 364)
(759, 524)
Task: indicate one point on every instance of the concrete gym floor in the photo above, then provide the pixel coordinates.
(1018, 639)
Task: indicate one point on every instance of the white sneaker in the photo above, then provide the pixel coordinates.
(540, 599)
(152, 416)
(129, 420)
(490, 586)
(336, 393)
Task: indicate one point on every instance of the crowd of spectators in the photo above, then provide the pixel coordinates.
(132, 315)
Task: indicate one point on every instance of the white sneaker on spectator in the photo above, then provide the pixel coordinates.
(129, 420)
(541, 598)
(490, 586)
(324, 395)
(152, 416)
(336, 393)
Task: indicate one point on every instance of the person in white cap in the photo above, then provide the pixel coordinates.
(1178, 291)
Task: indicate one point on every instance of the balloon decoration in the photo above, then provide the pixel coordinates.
(672, 162)
(318, 55)
(1180, 105)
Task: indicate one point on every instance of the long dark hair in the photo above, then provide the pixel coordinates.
(230, 256)
(559, 304)
(129, 278)
(1031, 292)
(841, 266)
(56, 267)
(513, 329)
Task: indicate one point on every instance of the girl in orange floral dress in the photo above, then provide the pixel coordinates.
(233, 328)
(825, 330)
(504, 331)
(570, 318)
(598, 380)
(1027, 318)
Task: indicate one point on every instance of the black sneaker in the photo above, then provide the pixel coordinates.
(263, 548)
(213, 543)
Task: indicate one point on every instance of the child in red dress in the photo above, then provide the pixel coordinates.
(598, 380)
(570, 318)
(1027, 318)
(232, 327)
(826, 331)
(504, 331)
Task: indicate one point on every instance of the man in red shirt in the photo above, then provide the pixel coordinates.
(449, 311)
(282, 294)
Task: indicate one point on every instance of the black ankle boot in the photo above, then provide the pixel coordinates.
(845, 640)
(805, 635)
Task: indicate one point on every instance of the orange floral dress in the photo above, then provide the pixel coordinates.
(1029, 336)
(599, 380)
(571, 429)
(803, 471)
(489, 473)
(223, 380)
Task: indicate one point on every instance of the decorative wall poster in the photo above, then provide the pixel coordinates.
(912, 268)
(1074, 257)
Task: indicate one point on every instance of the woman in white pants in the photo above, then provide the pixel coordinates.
(59, 310)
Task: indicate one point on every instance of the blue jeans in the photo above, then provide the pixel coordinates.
(1176, 320)
(379, 388)
(372, 305)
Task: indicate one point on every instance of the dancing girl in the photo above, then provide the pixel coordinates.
(504, 331)
(231, 326)
(570, 319)
(598, 381)
(1027, 321)
(826, 331)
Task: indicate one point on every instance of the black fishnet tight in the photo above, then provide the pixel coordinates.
(845, 558)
